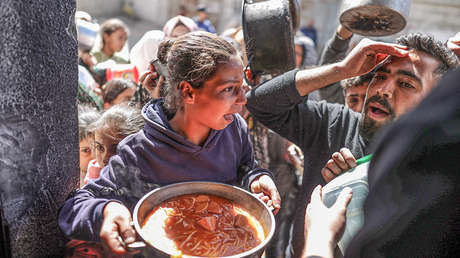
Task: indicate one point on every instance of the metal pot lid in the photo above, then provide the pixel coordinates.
(374, 17)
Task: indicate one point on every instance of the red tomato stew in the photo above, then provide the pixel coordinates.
(202, 225)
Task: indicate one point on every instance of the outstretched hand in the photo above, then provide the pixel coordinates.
(325, 226)
(116, 224)
(367, 54)
(265, 189)
(340, 161)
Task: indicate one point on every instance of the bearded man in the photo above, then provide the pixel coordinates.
(412, 69)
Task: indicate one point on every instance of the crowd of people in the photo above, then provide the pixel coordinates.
(181, 106)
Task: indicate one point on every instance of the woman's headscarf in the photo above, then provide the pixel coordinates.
(146, 48)
(172, 23)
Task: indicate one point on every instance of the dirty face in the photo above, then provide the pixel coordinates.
(397, 88)
(105, 145)
(221, 97)
(86, 153)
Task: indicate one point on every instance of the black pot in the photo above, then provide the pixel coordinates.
(269, 28)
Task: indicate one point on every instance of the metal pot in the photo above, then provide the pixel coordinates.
(244, 199)
(374, 17)
(269, 28)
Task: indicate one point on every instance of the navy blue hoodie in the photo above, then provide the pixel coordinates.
(158, 156)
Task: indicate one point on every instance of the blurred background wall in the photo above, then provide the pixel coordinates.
(440, 18)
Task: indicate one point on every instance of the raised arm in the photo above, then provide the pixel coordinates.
(335, 50)
(362, 59)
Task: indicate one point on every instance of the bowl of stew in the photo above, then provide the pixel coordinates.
(203, 219)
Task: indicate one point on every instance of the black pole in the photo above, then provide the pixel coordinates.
(38, 123)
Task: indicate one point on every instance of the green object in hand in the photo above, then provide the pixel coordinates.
(364, 159)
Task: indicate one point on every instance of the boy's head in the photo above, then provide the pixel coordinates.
(354, 91)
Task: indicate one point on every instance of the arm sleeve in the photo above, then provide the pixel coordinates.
(81, 216)
(334, 51)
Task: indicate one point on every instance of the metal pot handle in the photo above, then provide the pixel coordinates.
(132, 247)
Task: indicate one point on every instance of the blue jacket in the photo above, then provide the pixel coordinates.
(158, 156)
(206, 25)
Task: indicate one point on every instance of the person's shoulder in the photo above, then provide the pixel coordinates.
(131, 141)
(119, 59)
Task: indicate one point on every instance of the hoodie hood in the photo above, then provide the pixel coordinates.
(157, 127)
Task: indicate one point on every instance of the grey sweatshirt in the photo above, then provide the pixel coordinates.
(318, 128)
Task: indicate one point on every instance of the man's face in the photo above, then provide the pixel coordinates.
(397, 87)
(354, 97)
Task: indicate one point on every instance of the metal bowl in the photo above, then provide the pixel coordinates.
(244, 199)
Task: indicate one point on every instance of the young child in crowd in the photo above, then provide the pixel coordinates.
(86, 116)
(113, 126)
(145, 51)
(354, 90)
(195, 133)
(117, 91)
(113, 33)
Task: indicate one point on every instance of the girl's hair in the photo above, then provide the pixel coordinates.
(119, 121)
(193, 58)
(115, 87)
(110, 26)
(86, 116)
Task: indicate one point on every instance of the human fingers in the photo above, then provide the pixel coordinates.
(150, 81)
(127, 231)
(332, 166)
(455, 39)
(258, 195)
(386, 48)
(143, 76)
(343, 200)
(453, 45)
(272, 191)
(348, 156)
(116, 223)
(327, 175)
(265, 198)
(110, 237)
(340, 161)
(316, 196)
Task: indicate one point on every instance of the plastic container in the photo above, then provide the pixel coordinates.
(356, 179)
(87, 34)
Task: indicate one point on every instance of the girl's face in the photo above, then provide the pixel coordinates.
(222, 96)
(105, 145)
(124, 97)
(116, 40)
(86, 153)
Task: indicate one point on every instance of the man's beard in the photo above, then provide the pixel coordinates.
(367, 126)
